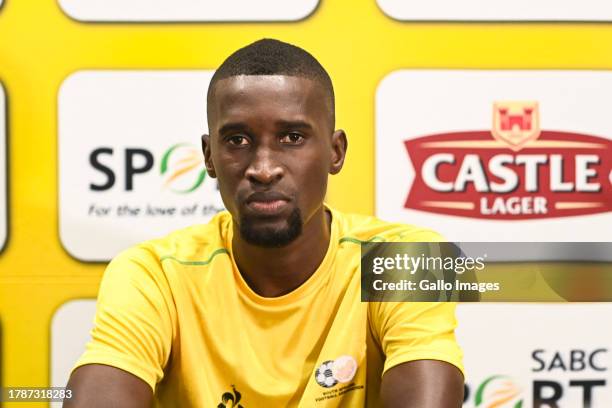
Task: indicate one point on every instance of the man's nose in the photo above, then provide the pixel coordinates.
(264, 168)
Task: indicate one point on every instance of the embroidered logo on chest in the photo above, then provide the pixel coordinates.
(332, 372)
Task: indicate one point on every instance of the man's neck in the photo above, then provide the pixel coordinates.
(273, 272)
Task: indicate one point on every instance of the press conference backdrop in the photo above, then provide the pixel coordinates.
(102, 104)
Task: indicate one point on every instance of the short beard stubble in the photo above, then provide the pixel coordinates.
(269, 237)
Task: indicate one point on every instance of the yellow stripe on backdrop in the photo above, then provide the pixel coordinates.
(40, 46)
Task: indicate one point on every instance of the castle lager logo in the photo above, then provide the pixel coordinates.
(516, 170)
(516, 123)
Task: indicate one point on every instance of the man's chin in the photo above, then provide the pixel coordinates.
(270, 232)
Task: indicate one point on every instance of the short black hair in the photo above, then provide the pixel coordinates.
(273, 57)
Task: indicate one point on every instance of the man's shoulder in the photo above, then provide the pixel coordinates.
(367, 228)
(192, 244)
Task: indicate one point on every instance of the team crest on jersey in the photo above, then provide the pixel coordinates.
(231, 399)
(516, 123)
(331, 372)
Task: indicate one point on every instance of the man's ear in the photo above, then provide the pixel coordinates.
(339, 146)
(210, 168)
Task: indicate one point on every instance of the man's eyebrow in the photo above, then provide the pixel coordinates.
(281, 124)
(232, 127)
(293, 124)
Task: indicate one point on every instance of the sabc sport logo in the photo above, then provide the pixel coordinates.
(514, 171)
(181, 168)
(497, 391)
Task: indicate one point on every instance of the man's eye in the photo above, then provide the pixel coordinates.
(238, 140)
(292, 138)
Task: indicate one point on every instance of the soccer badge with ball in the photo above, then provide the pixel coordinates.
(332, 372)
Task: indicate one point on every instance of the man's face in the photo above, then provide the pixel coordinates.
(272, 146)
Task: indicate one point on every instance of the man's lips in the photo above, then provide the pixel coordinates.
(267, 202)
(268, 207)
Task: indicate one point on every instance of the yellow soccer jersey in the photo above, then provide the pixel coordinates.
(177, 313)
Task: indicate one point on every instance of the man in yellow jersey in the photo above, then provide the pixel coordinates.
(261, 306)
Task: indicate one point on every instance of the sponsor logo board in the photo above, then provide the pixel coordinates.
(130, 160)
(496, 155)
(3, 170)
(482, 10)
(188, 10)
(536, 355)
(70, 331)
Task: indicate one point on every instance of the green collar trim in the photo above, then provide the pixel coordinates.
(219, 251)
(353, 240)
(196, 263)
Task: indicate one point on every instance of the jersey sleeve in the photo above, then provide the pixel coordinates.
(409, 331)
(133, 327)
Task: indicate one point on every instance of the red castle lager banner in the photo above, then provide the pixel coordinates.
(496, 155)
(515, 170)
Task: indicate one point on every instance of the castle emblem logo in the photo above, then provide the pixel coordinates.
(516, 123)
